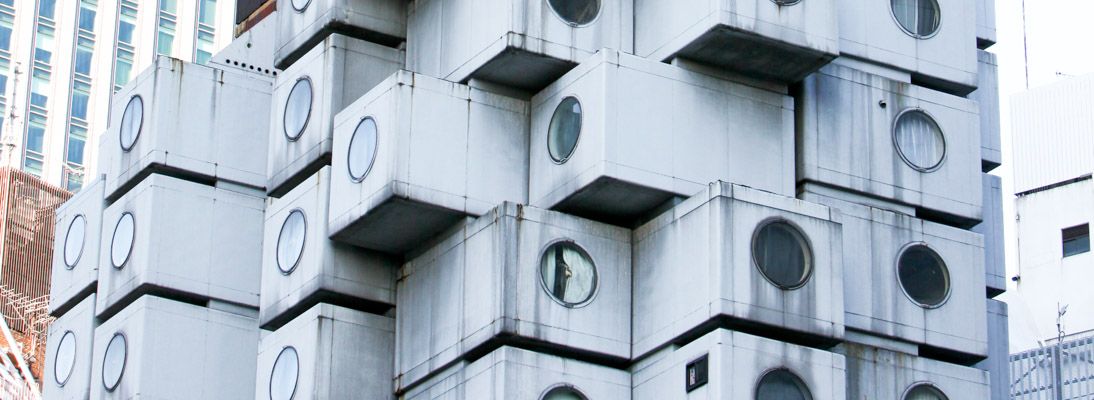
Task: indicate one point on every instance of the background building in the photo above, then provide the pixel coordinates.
(61, 62)
(548, 199)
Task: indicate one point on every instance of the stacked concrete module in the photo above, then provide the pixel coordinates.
(157, 295)
(583, 199)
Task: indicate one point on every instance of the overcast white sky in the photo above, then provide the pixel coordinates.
(1056, 36)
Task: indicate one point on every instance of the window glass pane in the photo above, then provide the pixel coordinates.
(6, 25)
(79, 105)
(290, 242)
(169, 5)
(563, 132)
(362, 149)
(782, 255)
(564, 393)
(43, 44)
(297, 109)
(39, 88)
(208, 12)
(45, 8)
(283, 377)
(87, 17)
(927, 18)
(121, 243)
(74, 182)
(919, 140)
(568, 273)
(1076, 240)
(781, 384)
(65, 357)
(77, 139)
(925, 392)
(923, 276)
(32, 166)
(83, 61)
(114, 361)
(36, 133)
(121, 72)
(576, 12)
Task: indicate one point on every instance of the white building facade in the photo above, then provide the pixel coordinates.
(546, 200)
(62, 60)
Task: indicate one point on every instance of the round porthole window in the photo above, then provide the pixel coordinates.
(564, 393)
(362, 149)
(114, 362)
(65, 358)
(576, 12)
(121, 244)
(919, 18)
(919, 141)
(297, 109)
(283, 377)
(782, 254)
(787, 2)
(74, 241)
(132, 120)
(290, 242)
(923, 276)
(568, 274)
(925, 392)
(781, 384)
(300, 5)
(564, 130)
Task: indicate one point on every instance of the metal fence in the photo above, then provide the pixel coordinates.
(1063, 371)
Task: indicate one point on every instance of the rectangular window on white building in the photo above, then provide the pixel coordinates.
(1076, 240)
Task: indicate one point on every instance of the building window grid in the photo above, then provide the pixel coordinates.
(168, 20)
(206, 31)
(37, 115)
(124, 49)
(76, 138)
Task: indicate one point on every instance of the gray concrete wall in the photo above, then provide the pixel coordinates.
(511, 373)
(987, 97)
(845, 139)
(694, 263)
(342, 353)
(188, 237)
(444, 150)
(737, 362)
(651, 131)
(80, 321)
(992, 228)
(325, 268)
(876, 303)
(298, 30)
(874, 373)
(759, 39)
(69, 283)
(180, 351)
(483, 282)
(196, 118)
(340, 69)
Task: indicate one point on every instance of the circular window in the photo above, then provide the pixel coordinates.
(132, 119)
(74, 241)
(786, 2)
(300, 5)
(290, 242)
(782, 254)
(924, 276)
(362, 149)
(284, 375)
(919, 18)
(576, 12)
(564, 130)
(65, 358)
(297, 109)
(919, 140)
(114, 362)
(564, 393)
(568, 274)
(122, 242)
(781, 384)
(925, 392)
